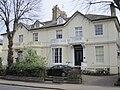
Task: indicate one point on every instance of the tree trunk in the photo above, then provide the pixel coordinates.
(10, 51)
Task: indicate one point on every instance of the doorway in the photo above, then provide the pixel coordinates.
(78, 54)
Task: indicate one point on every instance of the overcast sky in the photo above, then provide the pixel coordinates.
(70, 7)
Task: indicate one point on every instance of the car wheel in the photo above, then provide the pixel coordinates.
(63, 74)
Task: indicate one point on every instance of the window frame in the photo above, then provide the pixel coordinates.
(56, 55)
(98, 29)
(35, 38)
(60, 20)
(20, 55)
(20, 38)
(78, 32)
(99, 54)
(59, 34)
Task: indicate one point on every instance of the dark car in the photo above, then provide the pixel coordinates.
(59, 70)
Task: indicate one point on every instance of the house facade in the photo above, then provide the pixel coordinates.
(1, 42)
(89, 41)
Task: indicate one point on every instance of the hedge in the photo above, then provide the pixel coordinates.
(32, 70)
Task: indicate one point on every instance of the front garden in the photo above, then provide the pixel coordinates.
(33, 68)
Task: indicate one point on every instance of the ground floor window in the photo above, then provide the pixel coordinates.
(99, 54)
(20, 55)
(56, 55)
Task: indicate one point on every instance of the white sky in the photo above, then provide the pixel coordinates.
(68, 6)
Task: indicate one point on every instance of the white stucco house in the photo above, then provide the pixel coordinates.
(89, 41)
(1, 43)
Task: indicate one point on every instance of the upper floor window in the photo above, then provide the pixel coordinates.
(99, 54)
(99, 29)
(58, 34)
(78, 32)
(37, 25)
(35, 36)
(60, 20)
(20, 38)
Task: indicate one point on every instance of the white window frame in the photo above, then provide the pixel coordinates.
(59, 34)
(60, 20)
(20, 56)
(20, 38)
(99, 54)
(57, 56)
(98, 29)
(35, 37)
(78, 32)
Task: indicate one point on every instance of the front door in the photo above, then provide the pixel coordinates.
(78, 53)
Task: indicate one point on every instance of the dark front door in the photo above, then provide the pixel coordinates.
(78, 53)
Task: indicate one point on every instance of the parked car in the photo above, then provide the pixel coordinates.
(59, 70)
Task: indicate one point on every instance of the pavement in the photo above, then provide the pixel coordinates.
(89, 83)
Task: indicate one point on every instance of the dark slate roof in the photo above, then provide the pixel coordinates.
(48, 24)
(97, 17)
(26, 25)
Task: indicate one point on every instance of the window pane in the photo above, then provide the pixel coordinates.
(20, 38)
(58, 34)
(35, 36)
(57, 55)
(20, 55)
(99, 29)
(53, 55)
(78, 32)
(99, 54)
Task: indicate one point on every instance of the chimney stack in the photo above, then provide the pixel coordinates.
(112, 8)
(56, 12)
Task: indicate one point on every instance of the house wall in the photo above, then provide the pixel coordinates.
(108, 40)
(0, 54)
(110, 57)
(4, 50)
(21, 30)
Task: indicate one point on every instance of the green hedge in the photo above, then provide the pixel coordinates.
(2, 71)
(21, 69)
(32, 65)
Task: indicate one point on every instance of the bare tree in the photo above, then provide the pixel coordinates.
(11, 13)
(100, 4)
(117, 4)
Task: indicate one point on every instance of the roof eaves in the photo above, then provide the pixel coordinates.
(104, 18)
(47, 27)
(77, 12)
(3, 34)
(24, 25)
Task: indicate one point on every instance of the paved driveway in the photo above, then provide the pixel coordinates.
(99, 80)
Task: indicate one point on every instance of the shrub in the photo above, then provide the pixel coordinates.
(74, 74)
(31, 57)
(2, 71)
(32, 65)
(21, 69)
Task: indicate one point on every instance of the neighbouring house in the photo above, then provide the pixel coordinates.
(89, 41)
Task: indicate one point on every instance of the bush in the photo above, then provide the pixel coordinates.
(21, 69)
(74, 74)
(2, 71)
(32, 65)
